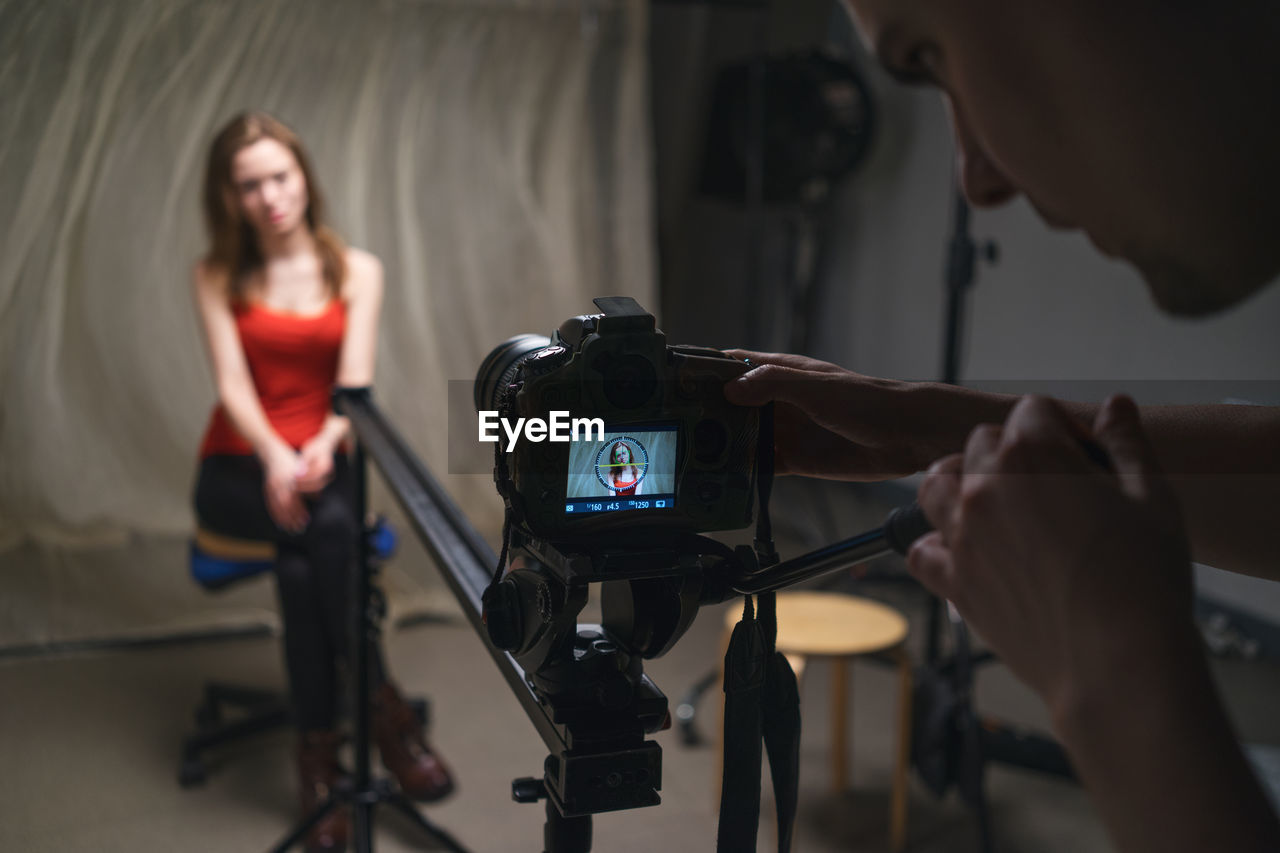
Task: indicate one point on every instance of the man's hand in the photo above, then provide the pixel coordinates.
(834, 423)
(1067, 570)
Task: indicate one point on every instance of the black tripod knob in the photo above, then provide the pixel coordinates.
(528, 789)
(502, 615)
(904, 526)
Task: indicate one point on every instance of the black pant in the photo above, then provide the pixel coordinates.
(314, 573)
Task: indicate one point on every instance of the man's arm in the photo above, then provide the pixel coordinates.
(1223, 461)
(1224, 464)
(1153, 746)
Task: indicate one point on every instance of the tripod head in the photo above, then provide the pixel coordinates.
(591, 677)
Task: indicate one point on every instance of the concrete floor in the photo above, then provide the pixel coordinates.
(90, 745)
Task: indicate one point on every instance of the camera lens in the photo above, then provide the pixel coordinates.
(499, 367)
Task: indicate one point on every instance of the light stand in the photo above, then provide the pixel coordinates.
(950, 682)
(962, 257)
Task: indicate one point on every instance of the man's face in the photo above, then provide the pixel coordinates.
(1129, 119)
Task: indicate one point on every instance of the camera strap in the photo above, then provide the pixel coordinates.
(762, 699)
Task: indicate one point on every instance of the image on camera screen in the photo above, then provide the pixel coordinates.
(630, 469)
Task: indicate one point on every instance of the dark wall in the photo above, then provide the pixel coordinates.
(720, 264)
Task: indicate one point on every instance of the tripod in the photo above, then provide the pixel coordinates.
(365, 792)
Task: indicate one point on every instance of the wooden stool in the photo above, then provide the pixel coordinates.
(841, 627)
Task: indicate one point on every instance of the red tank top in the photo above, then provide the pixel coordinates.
(624, 487)
(293, 360)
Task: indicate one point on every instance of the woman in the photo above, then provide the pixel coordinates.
(288, 313)
(624, 474)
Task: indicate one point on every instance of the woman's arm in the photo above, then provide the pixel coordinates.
(236, 391)
(239, 397)
(362, 294)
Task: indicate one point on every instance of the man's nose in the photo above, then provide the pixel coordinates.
(983, 183)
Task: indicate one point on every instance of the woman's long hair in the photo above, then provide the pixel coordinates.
(233, 244)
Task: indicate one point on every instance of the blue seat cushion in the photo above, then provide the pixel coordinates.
(219, 561)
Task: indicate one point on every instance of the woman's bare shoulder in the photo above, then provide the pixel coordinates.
(210, 278)
(364, 272)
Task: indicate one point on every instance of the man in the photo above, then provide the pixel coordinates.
(1153, 126)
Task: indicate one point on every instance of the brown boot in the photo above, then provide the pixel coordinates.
(318, 774)
(422, 776)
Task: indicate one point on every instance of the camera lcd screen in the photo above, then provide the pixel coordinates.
(632, 468)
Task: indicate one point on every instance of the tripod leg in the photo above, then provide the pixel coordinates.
(362, 827)
(444, 840)
(984, 825)
(562, 834)
(309, 821)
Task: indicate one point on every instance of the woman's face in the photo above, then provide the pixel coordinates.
(622, 454)
(270, 188)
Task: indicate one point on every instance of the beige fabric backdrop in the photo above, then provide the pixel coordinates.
(494, 154)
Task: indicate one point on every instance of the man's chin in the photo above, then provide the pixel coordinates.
(1181, 292)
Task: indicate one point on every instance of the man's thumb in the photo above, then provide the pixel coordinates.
(1118, 428)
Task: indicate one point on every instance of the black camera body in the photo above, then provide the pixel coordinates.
(638, 435)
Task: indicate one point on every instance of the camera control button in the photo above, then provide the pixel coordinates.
(709, 491)
(545, 360)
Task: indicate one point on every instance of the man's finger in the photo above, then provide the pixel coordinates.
(980, 451)
(940, 491)
(1118, 428)
(773, 382)
(929, 561)
(785, 359)
(1038, 424)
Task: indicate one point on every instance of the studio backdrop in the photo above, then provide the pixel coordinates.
(493, 153)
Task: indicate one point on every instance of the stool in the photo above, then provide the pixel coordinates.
(841, 627)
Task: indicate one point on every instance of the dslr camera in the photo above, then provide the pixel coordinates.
(607, 428)
(613, 452)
